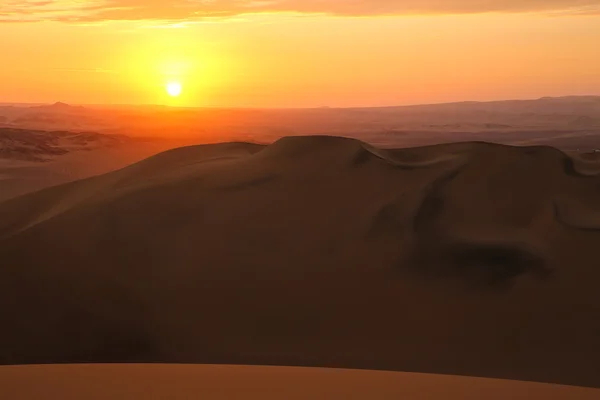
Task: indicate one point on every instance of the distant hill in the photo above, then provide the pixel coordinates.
(58, 107)
(567, 114)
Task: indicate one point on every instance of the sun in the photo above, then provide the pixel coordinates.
(174, 89)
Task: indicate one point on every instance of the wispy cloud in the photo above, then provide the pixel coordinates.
(53, 10)
(187, 10)
(85, 70)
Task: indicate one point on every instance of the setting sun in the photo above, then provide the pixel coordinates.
(174, 89)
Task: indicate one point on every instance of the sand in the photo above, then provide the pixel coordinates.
(46, 145)
(464, 259)
(226, 382)
(32, 160)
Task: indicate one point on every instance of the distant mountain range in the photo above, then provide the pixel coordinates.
(572, 113)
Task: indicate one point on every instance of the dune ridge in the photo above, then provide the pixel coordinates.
(466, 258)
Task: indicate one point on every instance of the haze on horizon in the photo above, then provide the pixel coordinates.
(291, 53)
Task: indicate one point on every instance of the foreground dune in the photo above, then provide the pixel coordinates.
(464, 259)
(226, 382)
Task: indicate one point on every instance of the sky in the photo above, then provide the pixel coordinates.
(296, 53)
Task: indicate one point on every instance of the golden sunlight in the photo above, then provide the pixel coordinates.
(174, 88)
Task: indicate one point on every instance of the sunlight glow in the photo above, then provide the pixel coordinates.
(174, 89)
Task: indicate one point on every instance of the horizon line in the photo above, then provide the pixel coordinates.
(38, 104)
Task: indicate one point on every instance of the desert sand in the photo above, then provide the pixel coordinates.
(31, 160)
(466, 259)
(46, 145)
(226, 382)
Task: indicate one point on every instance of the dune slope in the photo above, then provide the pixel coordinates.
(230, 382)
(466, 258)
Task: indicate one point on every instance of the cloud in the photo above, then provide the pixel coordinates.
(86, 70)
(182, 10)
(53, 10)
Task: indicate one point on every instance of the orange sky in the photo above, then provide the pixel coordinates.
(286, 53)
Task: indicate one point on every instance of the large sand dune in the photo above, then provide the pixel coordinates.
(227, 382)
(468, 258)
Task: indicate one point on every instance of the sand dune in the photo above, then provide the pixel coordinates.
(226, 382)
(54, 144)
(466, 259)
(31, 160)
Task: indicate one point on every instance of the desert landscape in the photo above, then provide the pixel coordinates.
(31, 160)
(45, 145)
(299, 199)
(464, 258)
